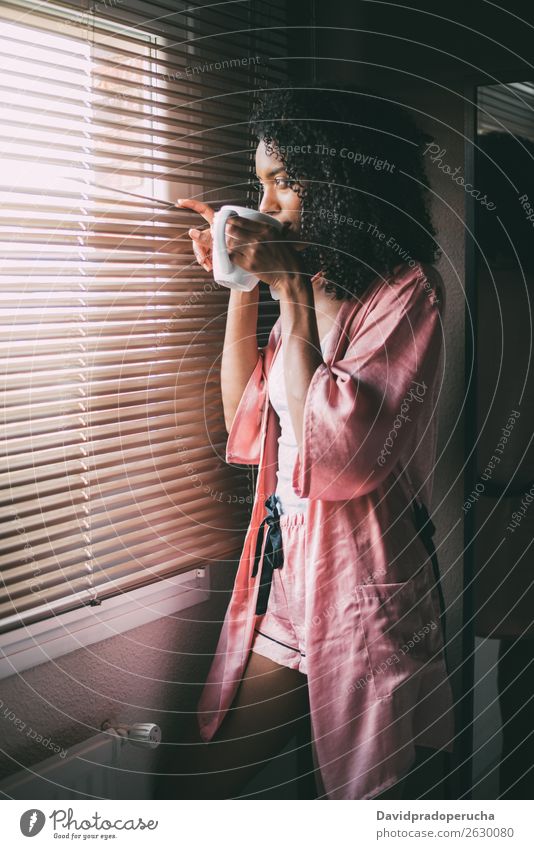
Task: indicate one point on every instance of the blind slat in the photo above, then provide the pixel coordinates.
(110, 334)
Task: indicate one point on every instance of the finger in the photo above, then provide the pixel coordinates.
(243, 238)
(206, 237)
(198, 251)
(234, 243)
(202, 255)
(236, 253)
(204, 259)
(244, 233)
(197, 245)
(206, 264)
(249, 224)
(197, 206)
(201, 245)
(201, 237)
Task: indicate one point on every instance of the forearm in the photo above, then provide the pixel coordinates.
(302, 348)
(240, 352)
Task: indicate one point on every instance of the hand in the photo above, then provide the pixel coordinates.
(262, 249)
(202, 240)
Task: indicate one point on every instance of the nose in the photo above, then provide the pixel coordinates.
(269, 203)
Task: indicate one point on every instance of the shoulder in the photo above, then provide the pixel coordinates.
(416, 279)
(412, 291)
(407, 284)
(432, 282)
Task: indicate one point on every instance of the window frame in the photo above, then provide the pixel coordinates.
(48, 639)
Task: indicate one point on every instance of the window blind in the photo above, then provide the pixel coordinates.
(506, 107)
(110, 337)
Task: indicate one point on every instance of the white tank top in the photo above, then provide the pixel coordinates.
(288, 500)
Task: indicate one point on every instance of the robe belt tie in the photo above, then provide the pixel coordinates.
(426, 529)
(273, 555)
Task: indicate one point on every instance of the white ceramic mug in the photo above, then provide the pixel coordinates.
(225, 271)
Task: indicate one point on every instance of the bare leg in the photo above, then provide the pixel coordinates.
(269, 707)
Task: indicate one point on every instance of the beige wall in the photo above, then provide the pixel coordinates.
(149, 674)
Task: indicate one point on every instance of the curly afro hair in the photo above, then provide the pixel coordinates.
(356, 161)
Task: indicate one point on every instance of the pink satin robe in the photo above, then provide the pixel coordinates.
(377, 678)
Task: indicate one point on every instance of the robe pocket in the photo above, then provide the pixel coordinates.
(401, 631)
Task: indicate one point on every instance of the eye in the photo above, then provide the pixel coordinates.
(280, 183)
(283, 182)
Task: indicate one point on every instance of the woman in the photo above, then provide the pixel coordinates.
(334, 612)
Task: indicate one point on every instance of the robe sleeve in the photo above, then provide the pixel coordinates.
(359, 409)
(244, 438)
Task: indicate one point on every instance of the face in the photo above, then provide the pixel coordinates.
(278, 198)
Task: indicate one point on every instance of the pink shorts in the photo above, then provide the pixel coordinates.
(279, 632)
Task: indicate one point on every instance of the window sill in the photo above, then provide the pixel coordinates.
(39, 642)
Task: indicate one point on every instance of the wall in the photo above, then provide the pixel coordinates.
(148, 674)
